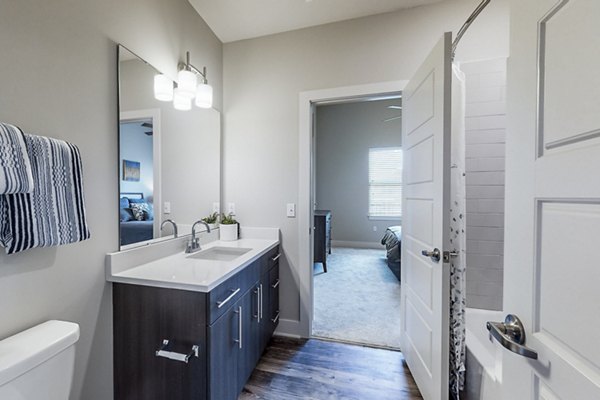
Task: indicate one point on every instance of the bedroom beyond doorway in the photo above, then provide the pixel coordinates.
(357, 186)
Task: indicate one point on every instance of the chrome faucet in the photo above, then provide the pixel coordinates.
(169, 221)
(194, 243)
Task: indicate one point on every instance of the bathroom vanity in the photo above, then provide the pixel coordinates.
(193, 326)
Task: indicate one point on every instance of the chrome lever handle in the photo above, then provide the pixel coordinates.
(511, 335)
(434, 254)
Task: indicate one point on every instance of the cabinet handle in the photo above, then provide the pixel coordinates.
(260, 298)
(171, 355)
(274, 286)
(233, 293)
(276, 257)
(274, 320)
(257, 292)
(239, 313)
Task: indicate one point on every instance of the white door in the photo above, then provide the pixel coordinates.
(552, 268)
(425, 225)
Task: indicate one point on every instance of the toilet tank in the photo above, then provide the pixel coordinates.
(38, 363)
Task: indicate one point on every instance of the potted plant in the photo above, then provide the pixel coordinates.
(212, 220)
(228, 230)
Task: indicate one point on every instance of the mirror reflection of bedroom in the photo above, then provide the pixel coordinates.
(357, 186)
(137, 223)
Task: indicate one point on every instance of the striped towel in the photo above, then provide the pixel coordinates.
(15, 169)
(54, 213)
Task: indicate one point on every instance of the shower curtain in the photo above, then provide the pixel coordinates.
(457, 236)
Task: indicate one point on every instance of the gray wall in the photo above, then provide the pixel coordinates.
(485, 151)
(345, 132)
(59, 79)
(262, 81)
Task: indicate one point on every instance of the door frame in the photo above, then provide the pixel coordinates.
(308, 100)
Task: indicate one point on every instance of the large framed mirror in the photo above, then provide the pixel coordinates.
(169, 160)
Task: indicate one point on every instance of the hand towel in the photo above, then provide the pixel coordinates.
(54, 213)
(15, 168)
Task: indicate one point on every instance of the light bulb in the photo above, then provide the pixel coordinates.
(163, 88)
(181, 102)
(204, 95)
(186, 83)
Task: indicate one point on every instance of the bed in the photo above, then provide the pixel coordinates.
(132, 230)
(392, 240)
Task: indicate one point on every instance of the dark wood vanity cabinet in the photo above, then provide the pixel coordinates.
(322, 237)
(230, 338)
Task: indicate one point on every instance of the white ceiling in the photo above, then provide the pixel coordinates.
(233, 20)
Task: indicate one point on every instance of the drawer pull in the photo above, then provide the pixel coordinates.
(171, 355)
(274, 286)
(276, 257)
(231, 296)
(274, 320)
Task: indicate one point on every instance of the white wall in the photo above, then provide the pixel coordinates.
(485, 153)
(262, 81)
(345, 132)
(59, 78)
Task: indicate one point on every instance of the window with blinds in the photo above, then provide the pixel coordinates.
(385, 182)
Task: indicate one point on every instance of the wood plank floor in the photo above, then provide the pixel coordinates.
(292, 369)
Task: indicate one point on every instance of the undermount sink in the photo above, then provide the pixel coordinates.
(220, 253)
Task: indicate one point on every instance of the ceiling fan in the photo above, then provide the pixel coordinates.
(393, 118)
(148, 125)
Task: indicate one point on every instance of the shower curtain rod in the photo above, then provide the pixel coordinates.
(467, 24)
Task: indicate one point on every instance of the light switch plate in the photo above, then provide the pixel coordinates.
(231, 208)
(167, 207)
(291, 210)
(216, 208)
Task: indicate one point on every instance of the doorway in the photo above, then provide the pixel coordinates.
(357, 193)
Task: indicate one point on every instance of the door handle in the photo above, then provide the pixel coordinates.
(434, 254)
(511, 335)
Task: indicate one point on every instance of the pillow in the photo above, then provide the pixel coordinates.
(123, 202)
(126, 214)
(150, 212)
(140, 211)
(134, 201)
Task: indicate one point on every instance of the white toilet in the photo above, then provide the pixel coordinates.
(38, 363)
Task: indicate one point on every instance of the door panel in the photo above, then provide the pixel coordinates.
(553, 198)
(425, 282)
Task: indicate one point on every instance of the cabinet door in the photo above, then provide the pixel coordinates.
(143, 318)
(249, 353)
(224, 338)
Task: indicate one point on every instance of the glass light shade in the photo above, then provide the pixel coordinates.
(186, 83)
(163, 88)
(204, 95)
(181, 102)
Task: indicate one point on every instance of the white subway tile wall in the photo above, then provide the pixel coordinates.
(485, 151)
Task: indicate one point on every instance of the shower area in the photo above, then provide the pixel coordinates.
(484, 160)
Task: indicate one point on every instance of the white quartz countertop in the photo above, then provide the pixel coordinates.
(183, 271)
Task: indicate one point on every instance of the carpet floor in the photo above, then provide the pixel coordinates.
(358, 299)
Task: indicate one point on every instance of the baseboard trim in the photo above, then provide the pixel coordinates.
(357, 245)
(288, 328)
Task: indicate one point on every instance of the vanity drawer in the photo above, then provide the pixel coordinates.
(270, 259)
(221, 298)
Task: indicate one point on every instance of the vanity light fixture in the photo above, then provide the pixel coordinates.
(203, 92)
(181, 101)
